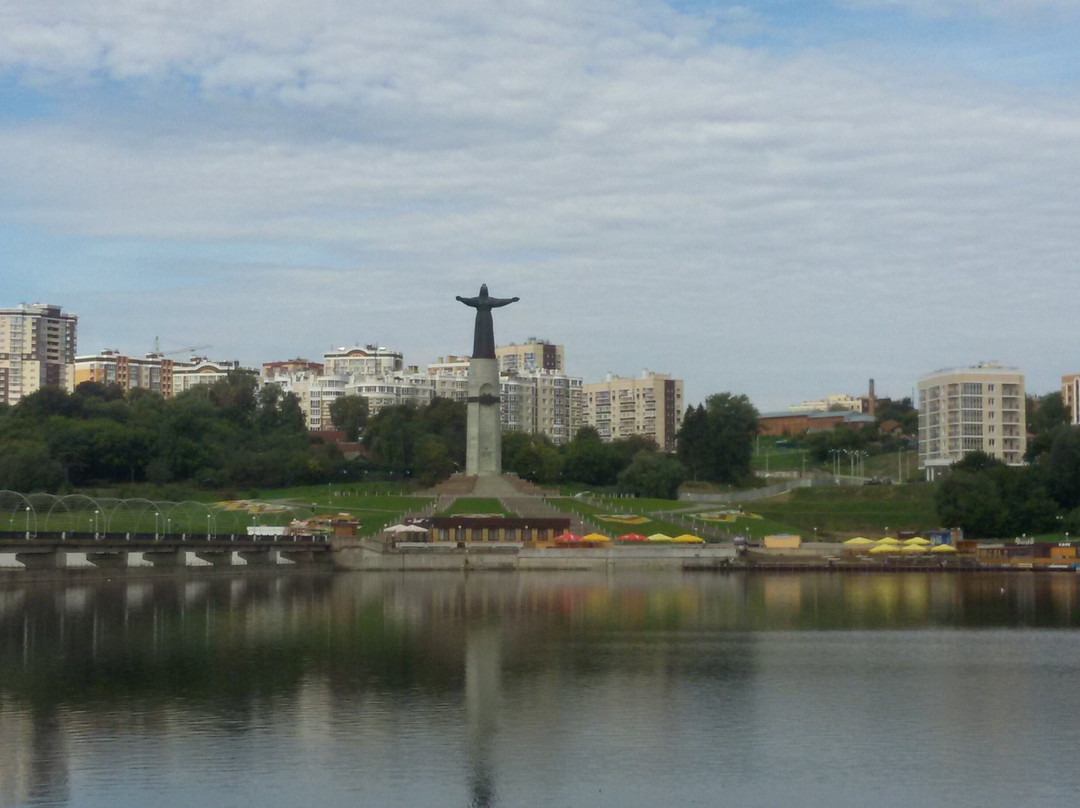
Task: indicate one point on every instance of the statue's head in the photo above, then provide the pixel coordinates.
(483, 290)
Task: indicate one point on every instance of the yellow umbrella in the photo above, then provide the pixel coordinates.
(595, 537)
(858, 541)
(913, 549)
(688, 538)
(659, 537)
(943, 548)
(883, 548)
(888, 540)
(919, 540)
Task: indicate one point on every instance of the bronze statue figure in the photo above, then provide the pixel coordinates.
(483, 331)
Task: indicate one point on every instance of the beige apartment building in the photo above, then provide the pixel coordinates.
(650, 405)
(962, 410)
(152, 372)
(37, 349)
(1070, 396)
(535, 354)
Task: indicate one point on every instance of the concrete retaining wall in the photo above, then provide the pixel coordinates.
(361, 557)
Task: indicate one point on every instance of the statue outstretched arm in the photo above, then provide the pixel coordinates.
(468, 301)
(496, 302)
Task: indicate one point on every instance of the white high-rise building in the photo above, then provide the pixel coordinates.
(963, 410)
(372, 361)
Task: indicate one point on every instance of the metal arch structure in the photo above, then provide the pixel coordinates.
(190, 502)
(22, 504)
(126, 505)
(66, 501)
(63, 513)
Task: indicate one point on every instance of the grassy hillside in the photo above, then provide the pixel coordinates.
(844, 511)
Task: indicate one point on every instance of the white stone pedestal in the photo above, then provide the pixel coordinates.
(483, 448)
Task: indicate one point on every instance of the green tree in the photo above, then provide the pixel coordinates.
(447, 420)
(235, 396)
(349, 414)
(1046, 418)
(1063, 467)
(901, 411)
(971, 500)
(588, 460)
(27, 466)
(651, 474)
(432, 460)
(390, 438)
(716, 441)
(531, 457)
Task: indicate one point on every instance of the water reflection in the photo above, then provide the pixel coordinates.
(504, 685)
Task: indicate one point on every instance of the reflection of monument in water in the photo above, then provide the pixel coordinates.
(483, 678)
(483, 452)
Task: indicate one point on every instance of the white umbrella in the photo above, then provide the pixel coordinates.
(406, 529)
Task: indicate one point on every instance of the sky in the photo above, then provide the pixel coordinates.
(777, 199)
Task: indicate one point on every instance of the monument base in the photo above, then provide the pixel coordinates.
(483, 449)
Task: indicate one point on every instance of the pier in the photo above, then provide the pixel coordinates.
(54, 550)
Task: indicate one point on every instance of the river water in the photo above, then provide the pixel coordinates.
(359, 689)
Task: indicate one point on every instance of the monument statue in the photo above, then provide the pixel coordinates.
(483, 331)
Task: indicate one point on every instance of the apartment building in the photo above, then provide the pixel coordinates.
(450, 377)
(542, 403)
(276, 370)
(314, 391)
(962, 410)
(533, 400)
(369, 361)
(831, 403)
(152, 372)
(200, 370)
(534, 354)
(650, 405)
(37, 349)
(404, 387)
(1070, 396)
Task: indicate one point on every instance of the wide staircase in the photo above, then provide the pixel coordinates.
(517, 496)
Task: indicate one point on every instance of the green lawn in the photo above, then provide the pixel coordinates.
(842, 511)
(836, 512)
(616, 527)
(475, 505)
(80, 514)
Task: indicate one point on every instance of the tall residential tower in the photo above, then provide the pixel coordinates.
(37, 349)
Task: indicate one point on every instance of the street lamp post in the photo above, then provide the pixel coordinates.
(208, 527)
(96, 512)
(157, 517)
(28, 521)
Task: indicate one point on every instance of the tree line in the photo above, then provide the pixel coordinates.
(232, 434)
(989, 499)
(229, 433)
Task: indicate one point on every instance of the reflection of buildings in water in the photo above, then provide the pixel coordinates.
(16, 739)
(33, 768)
(625, 600)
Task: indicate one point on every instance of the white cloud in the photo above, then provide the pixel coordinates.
(784, 215)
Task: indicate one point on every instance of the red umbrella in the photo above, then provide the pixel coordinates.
(567, 538)
(632, 537)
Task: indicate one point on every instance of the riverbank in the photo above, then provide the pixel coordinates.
(368, 555)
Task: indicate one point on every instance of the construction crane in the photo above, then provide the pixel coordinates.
(190, 350)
